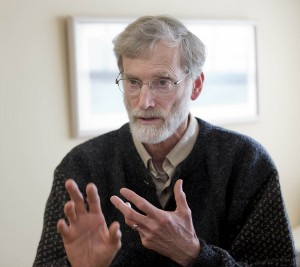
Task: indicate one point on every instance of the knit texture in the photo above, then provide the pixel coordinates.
(231, 186)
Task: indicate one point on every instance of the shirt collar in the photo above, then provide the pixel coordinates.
(181, 150)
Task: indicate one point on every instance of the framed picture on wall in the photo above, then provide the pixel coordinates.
(229, 93)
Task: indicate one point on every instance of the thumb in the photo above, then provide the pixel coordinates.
(180, 197)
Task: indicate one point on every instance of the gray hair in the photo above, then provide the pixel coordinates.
(146, 31)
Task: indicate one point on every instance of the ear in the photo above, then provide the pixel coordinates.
(197, 86)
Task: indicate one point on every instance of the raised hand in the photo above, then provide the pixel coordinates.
(87, 240)
(170, 234)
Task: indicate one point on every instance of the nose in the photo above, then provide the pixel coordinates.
(146, 99)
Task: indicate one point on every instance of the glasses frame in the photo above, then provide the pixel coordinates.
(149, 83)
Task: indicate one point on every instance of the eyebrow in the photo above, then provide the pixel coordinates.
(131, 76)
(155, 76)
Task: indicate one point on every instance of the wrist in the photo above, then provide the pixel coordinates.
(193, 253)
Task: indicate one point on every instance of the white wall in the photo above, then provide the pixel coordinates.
(34, 100)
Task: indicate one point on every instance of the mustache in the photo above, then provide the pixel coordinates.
(147, 113)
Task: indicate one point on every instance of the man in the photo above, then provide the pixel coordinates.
(180, 191)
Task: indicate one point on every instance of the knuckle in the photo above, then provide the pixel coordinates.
(156, 228)
(164, 220)
(187, 213)
(130, 214)
(146, 241)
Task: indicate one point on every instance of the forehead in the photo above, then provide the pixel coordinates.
(161, 59)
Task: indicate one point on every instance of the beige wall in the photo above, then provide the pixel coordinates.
(34, 103)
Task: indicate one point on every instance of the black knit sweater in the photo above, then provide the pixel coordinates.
(231, 186)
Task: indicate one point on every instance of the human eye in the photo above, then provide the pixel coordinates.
(161, 83)
(133, 83)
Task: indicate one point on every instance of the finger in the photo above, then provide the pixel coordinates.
(130, 223)
(76, 196)
(70, 212)
(126, 210)
(62, 228)
(93, 198)
(180, 197)
(141, 203)
(115, 234)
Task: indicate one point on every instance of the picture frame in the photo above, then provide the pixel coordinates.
(229, 94)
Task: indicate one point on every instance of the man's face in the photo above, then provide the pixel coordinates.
(154, 118)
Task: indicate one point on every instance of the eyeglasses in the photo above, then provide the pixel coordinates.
(160, 86)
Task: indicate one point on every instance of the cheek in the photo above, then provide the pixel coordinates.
(169, 104)
(133, 103)
(128, 101)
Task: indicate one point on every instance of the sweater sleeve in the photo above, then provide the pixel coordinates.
(50, 250)
(264, 240)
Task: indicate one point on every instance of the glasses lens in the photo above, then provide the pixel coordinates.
(161, 86)
(131, 86)
(121, 85)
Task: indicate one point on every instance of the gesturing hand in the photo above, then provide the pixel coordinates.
(87, 240)
(170, 234)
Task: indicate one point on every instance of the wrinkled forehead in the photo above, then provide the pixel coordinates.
(159, 51)
(161, 60)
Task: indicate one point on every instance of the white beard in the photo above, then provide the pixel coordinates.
(154, 134)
